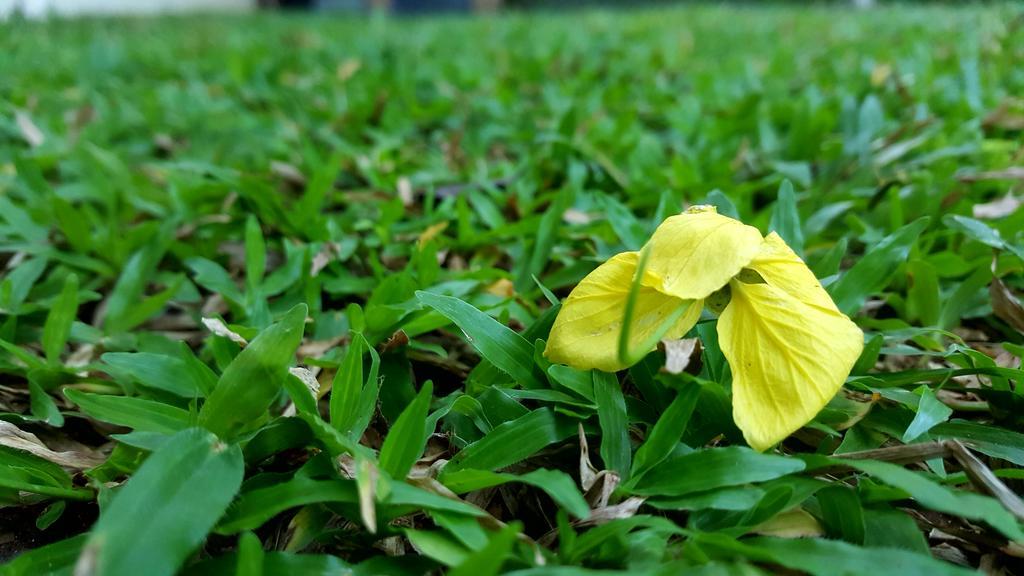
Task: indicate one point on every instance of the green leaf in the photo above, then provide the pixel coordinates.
(215, 278)
(885, 528)
(786, 218)
(667, 432)
(167, 373)
(348, 386)
(488, 560)
(842, 513)
(405, 441)
(496, 342)
(275, 563)
(180, 491)
(821, 557)
(438, 546)
(255, 507)
(975, 230)
(558, 485)
(254, 378)
(54, 559)
(713, 468)
(942, 499)
(255, 254)
(130, 286)
(611, 415)
(250, 555)
(42, 405)
(871, 274)
(511, 442)
(135, 413)
(59, 320)
(930, 412)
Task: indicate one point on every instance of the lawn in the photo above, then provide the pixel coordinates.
(276, 291)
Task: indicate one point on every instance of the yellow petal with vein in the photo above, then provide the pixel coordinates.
(782, 268)
(699, 251)
(586, 332)
(788, 359)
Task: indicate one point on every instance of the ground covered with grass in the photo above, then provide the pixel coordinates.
(275, 291)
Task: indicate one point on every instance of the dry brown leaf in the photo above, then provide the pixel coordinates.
(317, 348)
(588, 474)
(29, 131)
(998, 208)
(75, 460)
(287, 172)
(574, 216)
(431, 233)
(307, 378)
(1011, 173)
(367, 489)
(502, 287)
(1005, 305)
(405, 191)
(880, 73)
(625, 509)
(348, 68)
(1007, 116)
(219, 328)
(678, 353)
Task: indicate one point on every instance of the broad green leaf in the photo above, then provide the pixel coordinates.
(985, 438)
(871, 274)
(558, 485)
(275, 563)
(254, 378)
(42, 405)
(616, 450)
(250, 555)
(59, 320)
(408, 436)
(786, 218)
(438, 546)
(255, 507)
(666, 434)
(180, 490)
(923, 295)
(496, 342)
(167, 373)
(130, 286)
(488, 560)
(886, 528)
(348, 386)
(930, 412)
(821, 557)
(215, 278)
(57, 559)
(255, 254)
(135, 413)
(713, 468)
(511, 442)
(942, 499)
(842, 513)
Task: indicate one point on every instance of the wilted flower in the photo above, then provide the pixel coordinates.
(789, 347)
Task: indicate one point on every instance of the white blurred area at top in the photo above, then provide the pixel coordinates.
(39, 9)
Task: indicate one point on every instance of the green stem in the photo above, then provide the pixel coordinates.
(632, 356)
(66, 493)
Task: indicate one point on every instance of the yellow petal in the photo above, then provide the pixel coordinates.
(697, 252)
(586, 332)
(782, 268)
(788, 359)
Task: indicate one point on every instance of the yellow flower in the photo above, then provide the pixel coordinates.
(789, 347)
